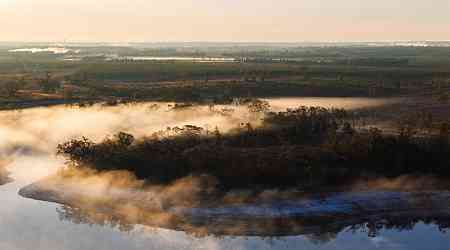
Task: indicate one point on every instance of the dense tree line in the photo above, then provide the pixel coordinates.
(306, 146)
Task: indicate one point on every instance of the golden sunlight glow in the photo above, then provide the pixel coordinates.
(223, 20)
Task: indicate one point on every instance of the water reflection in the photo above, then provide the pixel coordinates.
(80, 216)
(28, 224)
(318, 231)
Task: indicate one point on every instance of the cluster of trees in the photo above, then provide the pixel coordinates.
(48, 84)
(225, 92)
(175, 71)
(307, 146)
(12, 86)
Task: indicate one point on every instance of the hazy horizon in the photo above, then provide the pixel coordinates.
(219, 42)
(224, 21)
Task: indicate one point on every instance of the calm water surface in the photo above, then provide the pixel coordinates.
(27, 224)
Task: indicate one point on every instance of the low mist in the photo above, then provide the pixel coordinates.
(29, 139)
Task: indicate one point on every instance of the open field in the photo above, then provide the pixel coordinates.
(258, 71)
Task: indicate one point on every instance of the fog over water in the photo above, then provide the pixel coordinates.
(31, 135)
(27, 150)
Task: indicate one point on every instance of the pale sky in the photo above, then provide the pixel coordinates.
(224, 20)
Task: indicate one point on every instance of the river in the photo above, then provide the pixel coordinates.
(27, 141)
